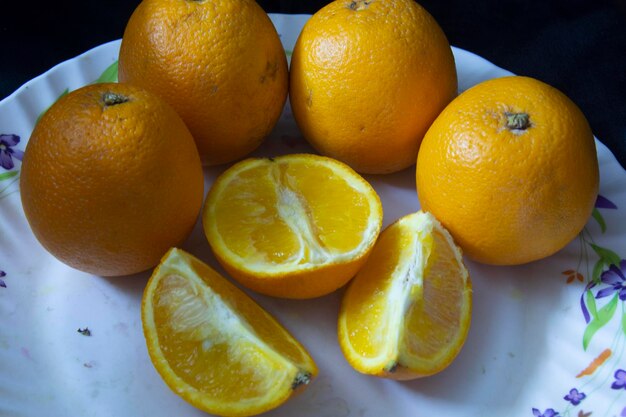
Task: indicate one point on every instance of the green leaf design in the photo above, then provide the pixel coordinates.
(7, 175)
(609, 257)
(599, 218)
(591, 329)
(109, 75)
(606, 313)
(597, 270)
(67, 90)
(591, 304)
(623, 319)
(604, 316)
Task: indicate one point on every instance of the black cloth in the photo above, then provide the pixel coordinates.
(578, 46)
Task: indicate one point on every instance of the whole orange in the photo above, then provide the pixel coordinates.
(111, 179)
(510, 169)
(367, 78)
(220, 64)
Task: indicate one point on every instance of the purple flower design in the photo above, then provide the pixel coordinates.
(548, 413)
(7, 152)
(604, 203)
(620, 379)
(2, 275)
(615, 278)
(574, 396)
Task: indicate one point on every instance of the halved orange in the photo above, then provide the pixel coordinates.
(407, 312)
(214, 346)
(295, 226)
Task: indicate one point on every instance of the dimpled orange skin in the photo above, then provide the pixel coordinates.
(109, 188)
(367, 78)
(509, 196)
(220, 64)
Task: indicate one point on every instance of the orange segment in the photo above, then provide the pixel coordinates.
(407, 312)
(248, 216)
(294, 226)
(438, 319)
(368, 298)
(213, 345)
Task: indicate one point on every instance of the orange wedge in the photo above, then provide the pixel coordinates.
(214, 346)
(407, 312)
(295, 226)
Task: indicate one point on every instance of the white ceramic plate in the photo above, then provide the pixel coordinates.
(540, 342)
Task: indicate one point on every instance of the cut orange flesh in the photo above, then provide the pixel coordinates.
(295, 226)
(214, 346)
(407, 312)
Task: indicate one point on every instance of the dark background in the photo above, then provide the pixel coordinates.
(577, 46)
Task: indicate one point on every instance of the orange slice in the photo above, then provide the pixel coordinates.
(407, 312)
(214, 346)
(295, 226)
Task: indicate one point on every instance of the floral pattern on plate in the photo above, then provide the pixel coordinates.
(604, 291)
